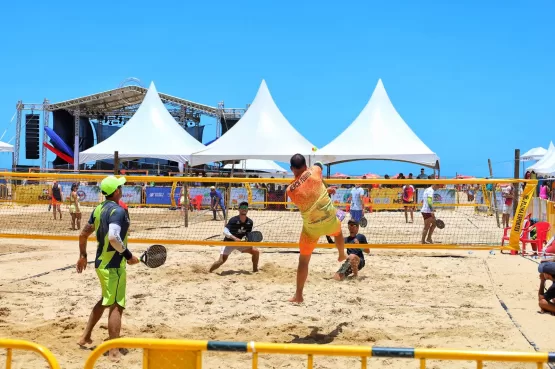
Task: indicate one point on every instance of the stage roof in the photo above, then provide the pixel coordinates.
(111, 100)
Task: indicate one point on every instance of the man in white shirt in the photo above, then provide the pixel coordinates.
(427, 212)
(357, 202)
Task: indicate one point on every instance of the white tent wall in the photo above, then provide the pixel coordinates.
(151, 133)
(258, 165)
(534, 154)
(262, 133)
(378, 133)
(5, 147)
(546, 165)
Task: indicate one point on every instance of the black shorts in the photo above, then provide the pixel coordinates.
(426, 215)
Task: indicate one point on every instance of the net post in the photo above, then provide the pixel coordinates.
(516, 176)
(185, 192)
(116, 163)
(494, 195)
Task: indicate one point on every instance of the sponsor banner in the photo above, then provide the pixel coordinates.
(518, 220)
(441, 196)
(161, 195)
(239, 194)
(480, 200)
(93, 195)
(386, 196)
(32, 194)
(132, 194)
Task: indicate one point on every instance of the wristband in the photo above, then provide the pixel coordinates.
(127, 254)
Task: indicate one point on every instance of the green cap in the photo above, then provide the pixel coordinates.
(110, 184)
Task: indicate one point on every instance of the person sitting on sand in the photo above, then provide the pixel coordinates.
(355, 256)
(545, 298)
(236, 228)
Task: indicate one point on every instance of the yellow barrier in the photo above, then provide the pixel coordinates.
(164, 354)
(11, 345)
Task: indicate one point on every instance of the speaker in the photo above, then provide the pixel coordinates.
(227, 124)
(32, 136)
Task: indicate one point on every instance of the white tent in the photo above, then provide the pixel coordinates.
(546, 165)
(267, 166)
(151, 133)
(534, 154)
(5, 147)
(378, 133)
(262, 133)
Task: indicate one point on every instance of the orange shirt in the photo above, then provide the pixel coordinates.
(310, 195)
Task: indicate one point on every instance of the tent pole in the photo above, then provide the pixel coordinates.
(493, 194)
(116, 163)
(515, 185)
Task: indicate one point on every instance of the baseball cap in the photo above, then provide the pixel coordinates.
(352, 221)
(110, 184)
(212, 187)
(547, 267)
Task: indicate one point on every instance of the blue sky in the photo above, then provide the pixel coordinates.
(473, 79)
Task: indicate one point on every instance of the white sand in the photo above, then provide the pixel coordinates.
(402, 299)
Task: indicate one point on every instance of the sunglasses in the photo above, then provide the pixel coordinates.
(244, 207)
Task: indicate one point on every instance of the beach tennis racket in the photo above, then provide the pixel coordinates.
(255, 236)
(345, 269)
(363, 222)
(340, 214)
(154, 256)
(440, 224)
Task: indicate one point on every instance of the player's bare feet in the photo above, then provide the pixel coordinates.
(296, 300)
(338, 277)
(84, 341)
(114, 355)
(429, 240)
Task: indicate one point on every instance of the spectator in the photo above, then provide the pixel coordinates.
(545, 298)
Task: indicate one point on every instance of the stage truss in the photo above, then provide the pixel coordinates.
(115, 107)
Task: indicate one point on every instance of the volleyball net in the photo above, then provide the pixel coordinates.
(179, 210)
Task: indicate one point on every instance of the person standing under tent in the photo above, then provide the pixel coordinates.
(216, 199)
(356, 198)
(408, 200)
(427, 212)
(74, 209)
(309, 194)
(111, 224)
(236, 228)
(507, 194)
(56, 196)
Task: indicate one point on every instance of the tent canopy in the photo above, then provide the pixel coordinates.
(267, 166)
(262, 133)
(546, 165)
(378, 133)
(151, 133)
(5, 147)
(534, 154)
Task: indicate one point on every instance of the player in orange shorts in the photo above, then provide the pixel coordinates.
(310, 195)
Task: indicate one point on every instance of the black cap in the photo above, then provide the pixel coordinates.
(352, 221)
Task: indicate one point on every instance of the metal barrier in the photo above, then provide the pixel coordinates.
(163, 354)
(11, 345)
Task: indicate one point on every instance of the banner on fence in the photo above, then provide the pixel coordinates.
(239, 194)
(441, 196)
(161, 195)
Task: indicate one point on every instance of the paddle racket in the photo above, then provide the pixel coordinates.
(255, 236)
(440, 224)
(363, 222)
(154, 256)
(340, 214)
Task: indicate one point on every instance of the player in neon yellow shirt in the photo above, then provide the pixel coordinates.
(310, 195)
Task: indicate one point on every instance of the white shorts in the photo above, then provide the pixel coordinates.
(507, 209)
(227, 250)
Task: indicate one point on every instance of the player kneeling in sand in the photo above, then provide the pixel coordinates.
(237, 228)
(355, 257)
